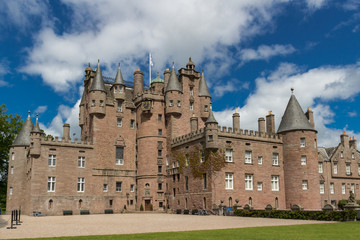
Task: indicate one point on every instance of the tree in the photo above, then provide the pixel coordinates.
(10, 126)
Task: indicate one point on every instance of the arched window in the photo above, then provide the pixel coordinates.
(80, 203)
(147, 185)
(250, 201)
(50, 204)
(204, 203)
(230, 202)
(276, 203)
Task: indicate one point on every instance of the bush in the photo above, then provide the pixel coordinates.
(151, 207)
(186, 211)
(194, 211)
(347, 215)
(342, 203)
(141, 207)
(178, 211)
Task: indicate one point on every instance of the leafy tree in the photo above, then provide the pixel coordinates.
(10, 125)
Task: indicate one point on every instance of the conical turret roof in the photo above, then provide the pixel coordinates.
(294, 118)
(23, 138)
(211, 118)
(119, 78)
(36, 127)
(98, 83)
(173, 84)
(203, 88)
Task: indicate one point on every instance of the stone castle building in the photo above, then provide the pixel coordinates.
(161, 149)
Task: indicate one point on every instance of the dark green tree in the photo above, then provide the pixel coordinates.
(10, 125)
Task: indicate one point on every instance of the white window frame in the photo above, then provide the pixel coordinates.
(132, 187)
(305, 185)
(81, 162)
(12, 170)
(117, 188)
(248, 157)
(105, 187)
(303, 160)
(332, 188)
(191, 106)
(119, 106)
(275, 159)
(202, 156)
(229, 181)
(51, 184)
(343, 188)
(259, 186)
(348, 169)
(275, 183)
(119, 161)
(249, 183)
(321, 167)
(322, 188)
(228, 155)
(167, 160)
(81, 184)
(52, 160)
(302, 142)
(335, 168)
(260, 160)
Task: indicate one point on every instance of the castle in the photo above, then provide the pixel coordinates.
(161, 149)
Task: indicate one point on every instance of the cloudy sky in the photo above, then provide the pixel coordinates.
(252, 53)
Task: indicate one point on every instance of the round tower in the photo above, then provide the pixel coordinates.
(211, 131)
(173, 94)
(97, 95)
(302, 182)
(138, 82)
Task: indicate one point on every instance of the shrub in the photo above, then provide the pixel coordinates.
(151, 207)
(194, 211)
(141, 207)
(186, 211)
(342, 203)
(178, 211)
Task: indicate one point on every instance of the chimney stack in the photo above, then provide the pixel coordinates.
(66, 132)
(270, 123)
(344, 140)
(261, 125)
(310, 116)
(236, 121)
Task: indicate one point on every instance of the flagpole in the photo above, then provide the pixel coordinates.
(149, 69)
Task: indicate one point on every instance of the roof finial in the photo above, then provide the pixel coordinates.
(189, 59)
(158, 74)
(119, 65)
(37, 117)
(292, 90)
(235, 109)
(89, 64)
(173, 65)
(29, 113)
(98, 61)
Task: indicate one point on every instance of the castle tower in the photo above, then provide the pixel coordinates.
(118, 87)
(97, 95)
(157, 85)
(211, 131)
(302, 182)
(16, 187)
(35, 138)
(205, 98)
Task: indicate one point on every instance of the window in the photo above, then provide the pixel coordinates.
(353, 155)
(119, 122)
(52, 160)
(335, 168)
(101, 103)
(275, 159)
(10, 191)
(93, 103)
(12, 170)
(191, 91)
(177, 164)
(304, 185)
(322, 188)
(50, 204)
(105, 188)
(228, 155)
(159, 186)
(260, 160)
(118, 186)
(132, 123)
(348, 169)
(12, 156)
(206, 108)
(81, 162)
(353, 188)
(159, 153)
(178, 103)
(167, 160)
(51, 184)
(119, 106)
(120, 89)
(186, 183)
(119, 155)
(159, 117)
(202, 159)
(159, 169)
(81, 185)
(191, 106)
(275, 183)
(248, 182)
(132, 188)
(205, 180)
(302, 142)
(229, 180)
(210, 138)
(332, 188)
(343, 188)
(171, 103)
(321, 169)
(359, 169)
(187, 160)
(248, 158)
(303, 160)
(259, 186)
(115, 89)
(160, 132)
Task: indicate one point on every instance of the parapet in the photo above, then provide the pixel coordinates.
(249, 134)
(193, 136)
(59, 142)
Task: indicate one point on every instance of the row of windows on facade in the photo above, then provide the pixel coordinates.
(191, 105)
(249, 182)
(119, 123)
(343, 188)
(335, 169)
(342, 155)
(249, 159)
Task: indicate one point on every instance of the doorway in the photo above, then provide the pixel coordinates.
(147, 205)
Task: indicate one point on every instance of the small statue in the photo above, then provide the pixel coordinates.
(351, 197)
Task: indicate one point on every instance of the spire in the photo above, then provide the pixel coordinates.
(203, 88)
(98, 83)
(294, 117)
(173, 84)
(36, 128)
(119, 78)
(211, 118)
(23, 138)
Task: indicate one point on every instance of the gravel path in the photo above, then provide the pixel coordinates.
(78, 225)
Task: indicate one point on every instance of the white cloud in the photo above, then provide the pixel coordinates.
(265, 52)
(40, 109)
(4, 69)
(352, 114)
(272, 92)
(230, 86)
(315, 4)
(127, 31)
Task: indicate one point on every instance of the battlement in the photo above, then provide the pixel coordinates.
(60, 142)
(248, 134)
(193, 136)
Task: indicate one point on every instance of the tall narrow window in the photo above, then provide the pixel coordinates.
(302, 142)
(119, 155)
(275, 183)
(12, 170)
(187, 160)
(303, 160)
(343, 188)
(191, 106)
(322, 188)
(51, 184)
(121, 89)
(119, 106)
(259, 186)
(348, 169)
(206, 108)
(191, 91)
(359, 169)
(12, 156)
(332, 191)
(335, 168)
(229, 177)
(353, 155)
(248, 158)
(105, 188)
(167, 160)
(132, 123)
(202, 156)
(353, 188)
(186, 183)
(119, 122)
(52, 160)
(275, 159)
(205, 181)
(228, 155)
(81, 162)
(132, 187)
(304, 185)
(248, 182)
(118, 186)
(93, 103)
(260, 160)
(321, 169)
(101, 103)
(81, 184)
(341, 154)
(10, 190)
(159, 117)
(160, 132)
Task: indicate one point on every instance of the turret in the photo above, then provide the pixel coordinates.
(97, 95)
(82, 110)
(236, 121)
(211, 131)
(301, 175)
(205, 98)
(35, 138)
(194, 123)
(157, 85)
(66, 133)
(118, 87)
(23, 138)
(138, 82)
(173, 94)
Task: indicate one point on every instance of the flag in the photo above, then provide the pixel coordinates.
(150, 60)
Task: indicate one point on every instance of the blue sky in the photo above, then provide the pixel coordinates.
(252, 53)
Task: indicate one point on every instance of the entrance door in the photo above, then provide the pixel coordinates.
(147, 205)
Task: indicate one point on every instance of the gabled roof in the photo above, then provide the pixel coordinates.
(211, 118)
(323, 153)
(294, 118)
(203, 88)
(23, 138)
(98, 83)
(173, 84)
(119, 78)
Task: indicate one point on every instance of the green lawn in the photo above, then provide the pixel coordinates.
(345, 230)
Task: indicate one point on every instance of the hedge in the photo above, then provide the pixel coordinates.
(347, 215)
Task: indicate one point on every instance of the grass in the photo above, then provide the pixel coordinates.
(344, 230)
